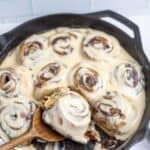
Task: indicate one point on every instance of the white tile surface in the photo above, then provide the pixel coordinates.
(118, 4)
(55, 6)
(7, 27)
(148, 4)
(14, 8)
(144, 24)
(18, 10)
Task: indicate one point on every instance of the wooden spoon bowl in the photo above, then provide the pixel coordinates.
(38, 130)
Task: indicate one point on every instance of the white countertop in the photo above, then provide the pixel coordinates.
(144, 24)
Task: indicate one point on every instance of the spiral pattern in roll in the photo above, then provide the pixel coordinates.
(8, 82)
(117, 115)
(95, 45)
(49, 77)
(32, 50)
(15, 118)
(63, 42)
(88, 80)
(70, 116)
(128, 78)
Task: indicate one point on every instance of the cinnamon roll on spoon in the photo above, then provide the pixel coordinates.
(69, 115)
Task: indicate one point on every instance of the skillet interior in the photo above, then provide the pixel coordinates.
(14, 37)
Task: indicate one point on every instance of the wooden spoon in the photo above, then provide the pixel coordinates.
(38, 130)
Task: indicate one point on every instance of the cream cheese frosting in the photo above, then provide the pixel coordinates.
(102, 80)
(70, 115)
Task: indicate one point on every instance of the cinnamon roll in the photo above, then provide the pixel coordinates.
(14, 82)
(128, 78)
(117, 115)
(32, 50)
(9, 86)
(89, 80)
(63, 43)
(51, 76)
(15, 118)
(81, 78)
(99, 46)
(70, 115)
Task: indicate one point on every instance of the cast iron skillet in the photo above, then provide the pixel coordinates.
(94, 20)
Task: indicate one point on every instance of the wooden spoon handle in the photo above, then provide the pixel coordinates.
(19, 140)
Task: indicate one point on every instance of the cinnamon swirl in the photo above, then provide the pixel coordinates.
(128, 78)
(32, 50)
(51, 76)
(100, 46)
(114, 113)
(73, 74)
(90, 81)
(9, 86)
(70, 115)
(16, 118)
(64, 42)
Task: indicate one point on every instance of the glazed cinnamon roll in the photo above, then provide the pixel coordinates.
(98, 46)
(128, 78)
(89, 80)
(63, 43)
(117, 115)
(51, 76)
(32, 50)
(9, 86)
(16, 118)
(70, 115)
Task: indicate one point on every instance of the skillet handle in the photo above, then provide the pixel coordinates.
(123, 20)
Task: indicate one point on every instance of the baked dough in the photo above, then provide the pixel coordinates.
(70, 115)
(16, 117)
(99, 82)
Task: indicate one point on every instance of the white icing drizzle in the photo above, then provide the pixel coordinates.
(50, 76)
(119, 116)
(16, 117)
(90, 81)
(98, 46)
(128, 78)
(91, 63)
(70, 116)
